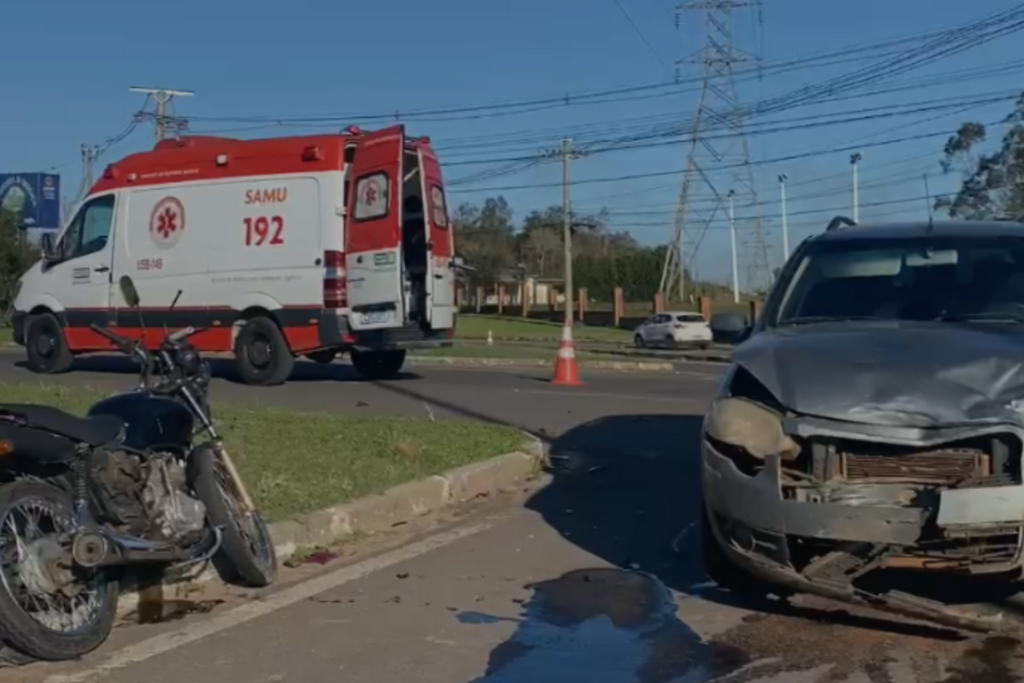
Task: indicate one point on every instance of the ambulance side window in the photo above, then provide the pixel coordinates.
(438, 207)
(90, 230)
(373, 194)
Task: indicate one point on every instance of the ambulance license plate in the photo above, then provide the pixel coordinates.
(375, 317)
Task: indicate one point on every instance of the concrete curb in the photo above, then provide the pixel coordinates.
(372, 514)
(622, 366)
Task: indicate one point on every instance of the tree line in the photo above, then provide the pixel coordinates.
(498, 248)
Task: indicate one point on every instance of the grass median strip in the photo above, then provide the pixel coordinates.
(297, 462)
(476, 327)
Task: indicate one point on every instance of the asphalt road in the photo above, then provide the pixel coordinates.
(587, 576)
(516, 396)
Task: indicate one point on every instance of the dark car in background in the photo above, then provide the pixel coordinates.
(866, 441)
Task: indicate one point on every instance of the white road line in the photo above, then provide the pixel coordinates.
(624, 397)
(697, 375)
(166, 642)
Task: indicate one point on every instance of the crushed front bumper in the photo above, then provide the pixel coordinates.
(755, 523)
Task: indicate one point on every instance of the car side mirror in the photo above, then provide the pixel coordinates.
(730, 327)
(128, 291)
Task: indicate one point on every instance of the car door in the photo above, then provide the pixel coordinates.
(649, 329)
(81, 277)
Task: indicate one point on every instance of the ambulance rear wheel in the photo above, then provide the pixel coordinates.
(375, 365)
(262, 353)
(48, 352)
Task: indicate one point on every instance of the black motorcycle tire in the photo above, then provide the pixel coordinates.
(23, 633)
(235, 562)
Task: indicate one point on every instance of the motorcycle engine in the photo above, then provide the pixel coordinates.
(146, 496)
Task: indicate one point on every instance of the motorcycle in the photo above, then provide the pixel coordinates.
(83, 500)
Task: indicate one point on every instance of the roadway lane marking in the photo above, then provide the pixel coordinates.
(599, 394)
(167, 642)
(697, 375)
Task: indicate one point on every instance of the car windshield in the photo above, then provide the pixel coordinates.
(923, 278)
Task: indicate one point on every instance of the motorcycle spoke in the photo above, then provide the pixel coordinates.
(34, 573)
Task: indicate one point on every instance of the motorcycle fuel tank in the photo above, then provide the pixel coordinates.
(152, 420)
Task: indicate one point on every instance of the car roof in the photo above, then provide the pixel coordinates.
(681, 313)
(883, 231)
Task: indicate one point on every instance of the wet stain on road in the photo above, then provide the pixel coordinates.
(621, 626)
(605, 625)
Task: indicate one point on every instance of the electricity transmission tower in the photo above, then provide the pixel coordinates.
(722, 165)
(163, 122)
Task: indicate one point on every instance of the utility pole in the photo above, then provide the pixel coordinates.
(854, 161)
(567, 153)
(724, 162)
(732, 237)
(785, 220)
(162, 121)
(89, 156)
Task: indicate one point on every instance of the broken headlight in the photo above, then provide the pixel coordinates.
(750, 427)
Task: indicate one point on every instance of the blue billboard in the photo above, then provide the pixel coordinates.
(33, 197)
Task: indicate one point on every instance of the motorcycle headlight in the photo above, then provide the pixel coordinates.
(189, 361)
(751, 427)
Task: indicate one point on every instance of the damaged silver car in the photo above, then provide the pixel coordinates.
(866, 442)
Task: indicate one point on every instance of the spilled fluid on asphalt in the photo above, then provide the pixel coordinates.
(603, 626)
(619, 626)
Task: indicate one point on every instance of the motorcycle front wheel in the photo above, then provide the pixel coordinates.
(246, 554)
(49, 609)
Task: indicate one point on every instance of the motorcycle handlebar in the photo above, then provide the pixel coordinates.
(122, 343)
(181, 334)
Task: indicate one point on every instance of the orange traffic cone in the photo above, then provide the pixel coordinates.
(567, 372)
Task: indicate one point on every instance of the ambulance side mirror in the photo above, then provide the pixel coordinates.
(48, 247)
(128, 291)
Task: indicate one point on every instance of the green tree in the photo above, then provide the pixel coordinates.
(484, 237)
(992, 184)
(15, 257)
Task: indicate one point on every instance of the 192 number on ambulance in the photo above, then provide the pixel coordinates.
(264, 231)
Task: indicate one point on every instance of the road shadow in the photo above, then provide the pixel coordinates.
(624, 487)
(224, 369)
(627, 489)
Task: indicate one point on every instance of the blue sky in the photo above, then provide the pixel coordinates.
(274, 60)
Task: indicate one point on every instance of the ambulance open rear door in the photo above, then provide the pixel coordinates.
(373, 232)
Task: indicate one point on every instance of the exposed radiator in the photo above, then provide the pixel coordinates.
(940, 467)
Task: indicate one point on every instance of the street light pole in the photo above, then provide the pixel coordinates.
(854, 159)
(785, 220)
(732, 237)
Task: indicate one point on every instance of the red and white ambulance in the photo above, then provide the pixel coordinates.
(311, 246)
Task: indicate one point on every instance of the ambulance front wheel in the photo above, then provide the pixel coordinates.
(375, 365)
(48, 352)
(262, 353)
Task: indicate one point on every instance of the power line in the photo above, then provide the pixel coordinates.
(796, 124)
(939, 39)
(661, 174)
(162, 97)
(643, 37)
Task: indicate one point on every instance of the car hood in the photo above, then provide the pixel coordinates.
(921, 375)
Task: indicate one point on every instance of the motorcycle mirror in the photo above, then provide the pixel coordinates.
(128, 291)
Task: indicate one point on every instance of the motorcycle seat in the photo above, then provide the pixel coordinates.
(95, 430)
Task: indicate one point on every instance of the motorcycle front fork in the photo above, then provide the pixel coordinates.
(236, 479)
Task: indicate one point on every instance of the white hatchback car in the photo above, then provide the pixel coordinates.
(674, 329)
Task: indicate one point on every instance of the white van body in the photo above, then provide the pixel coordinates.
(313, 246)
